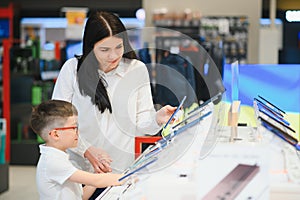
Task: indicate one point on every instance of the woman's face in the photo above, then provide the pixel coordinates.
(109, 52)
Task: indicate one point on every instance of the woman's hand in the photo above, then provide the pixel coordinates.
(164, 114)
(99, 159)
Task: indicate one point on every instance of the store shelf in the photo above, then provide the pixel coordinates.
(4, 177)
(6, 13)
(24, 153)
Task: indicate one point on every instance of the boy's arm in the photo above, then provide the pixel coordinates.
(97, 180)
(88, 192)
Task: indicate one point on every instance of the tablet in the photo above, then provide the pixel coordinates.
(279, 131)
(265, 110)
(138, 169)
(186, 120)
(212, 99)
(162, 142)
(275, 111)
(175, 112)
(280, 121)
(272, 105)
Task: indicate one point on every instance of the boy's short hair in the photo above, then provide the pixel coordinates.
(49, 115)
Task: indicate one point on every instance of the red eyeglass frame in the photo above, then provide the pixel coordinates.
(66, 128)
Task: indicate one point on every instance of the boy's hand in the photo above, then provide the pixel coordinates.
(99, 159)
(129, 180)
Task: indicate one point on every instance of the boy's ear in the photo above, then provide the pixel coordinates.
(53, 134)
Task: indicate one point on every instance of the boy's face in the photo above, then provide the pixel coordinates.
(68, 134)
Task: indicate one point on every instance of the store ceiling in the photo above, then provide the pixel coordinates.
(50, 8)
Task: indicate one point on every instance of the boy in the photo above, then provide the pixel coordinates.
(55, 121)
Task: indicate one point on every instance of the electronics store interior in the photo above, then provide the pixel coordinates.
(224, 125)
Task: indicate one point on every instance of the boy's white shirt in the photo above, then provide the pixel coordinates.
(53, 171)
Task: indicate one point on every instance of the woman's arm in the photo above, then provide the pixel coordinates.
(147, 118)
(164, 114)
(99, 159)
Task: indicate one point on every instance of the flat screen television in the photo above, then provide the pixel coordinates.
(4, 29)
(73, 47)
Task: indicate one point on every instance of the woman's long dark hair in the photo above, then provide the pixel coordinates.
(99, 25)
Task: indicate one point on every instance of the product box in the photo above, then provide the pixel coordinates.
(2, 140)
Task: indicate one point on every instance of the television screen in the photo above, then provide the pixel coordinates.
(299, 40)
(4, 28)
(73, 48)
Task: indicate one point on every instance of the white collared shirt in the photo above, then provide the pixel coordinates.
(53, 171)
(133, 113)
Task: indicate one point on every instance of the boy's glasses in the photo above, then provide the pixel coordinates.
(67, 128)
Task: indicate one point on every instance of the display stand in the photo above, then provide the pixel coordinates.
(6, 13)
(275, 129)
(4, 182)
(6, 93)
(231, 169)
(3, 164)
(140, 140)
(233, 118)
(185, 138)
(233, 113)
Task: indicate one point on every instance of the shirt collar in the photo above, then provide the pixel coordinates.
(51, 150)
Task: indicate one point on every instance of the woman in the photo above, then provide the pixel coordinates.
(111, 91)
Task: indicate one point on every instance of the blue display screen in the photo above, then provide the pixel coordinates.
(73, 48)
(4, 28)
(279, 83)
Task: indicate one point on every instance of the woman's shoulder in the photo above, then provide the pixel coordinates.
(134, 63)
(71, 61)
(70, 64)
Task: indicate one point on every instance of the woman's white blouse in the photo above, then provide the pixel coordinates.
(133, 113)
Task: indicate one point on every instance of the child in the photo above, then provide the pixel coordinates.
(55, 121)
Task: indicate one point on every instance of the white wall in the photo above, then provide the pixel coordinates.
(269, 45)
(250, 8)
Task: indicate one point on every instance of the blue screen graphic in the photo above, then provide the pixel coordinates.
(280, 84)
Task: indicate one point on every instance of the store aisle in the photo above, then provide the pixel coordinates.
(22, 184)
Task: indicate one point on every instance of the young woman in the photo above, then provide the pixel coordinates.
(111, 90)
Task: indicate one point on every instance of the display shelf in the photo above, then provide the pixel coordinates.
(23, 88)
(6, 17)
(6, 93)
(4, 182)
(24, 153)
(232, 31)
